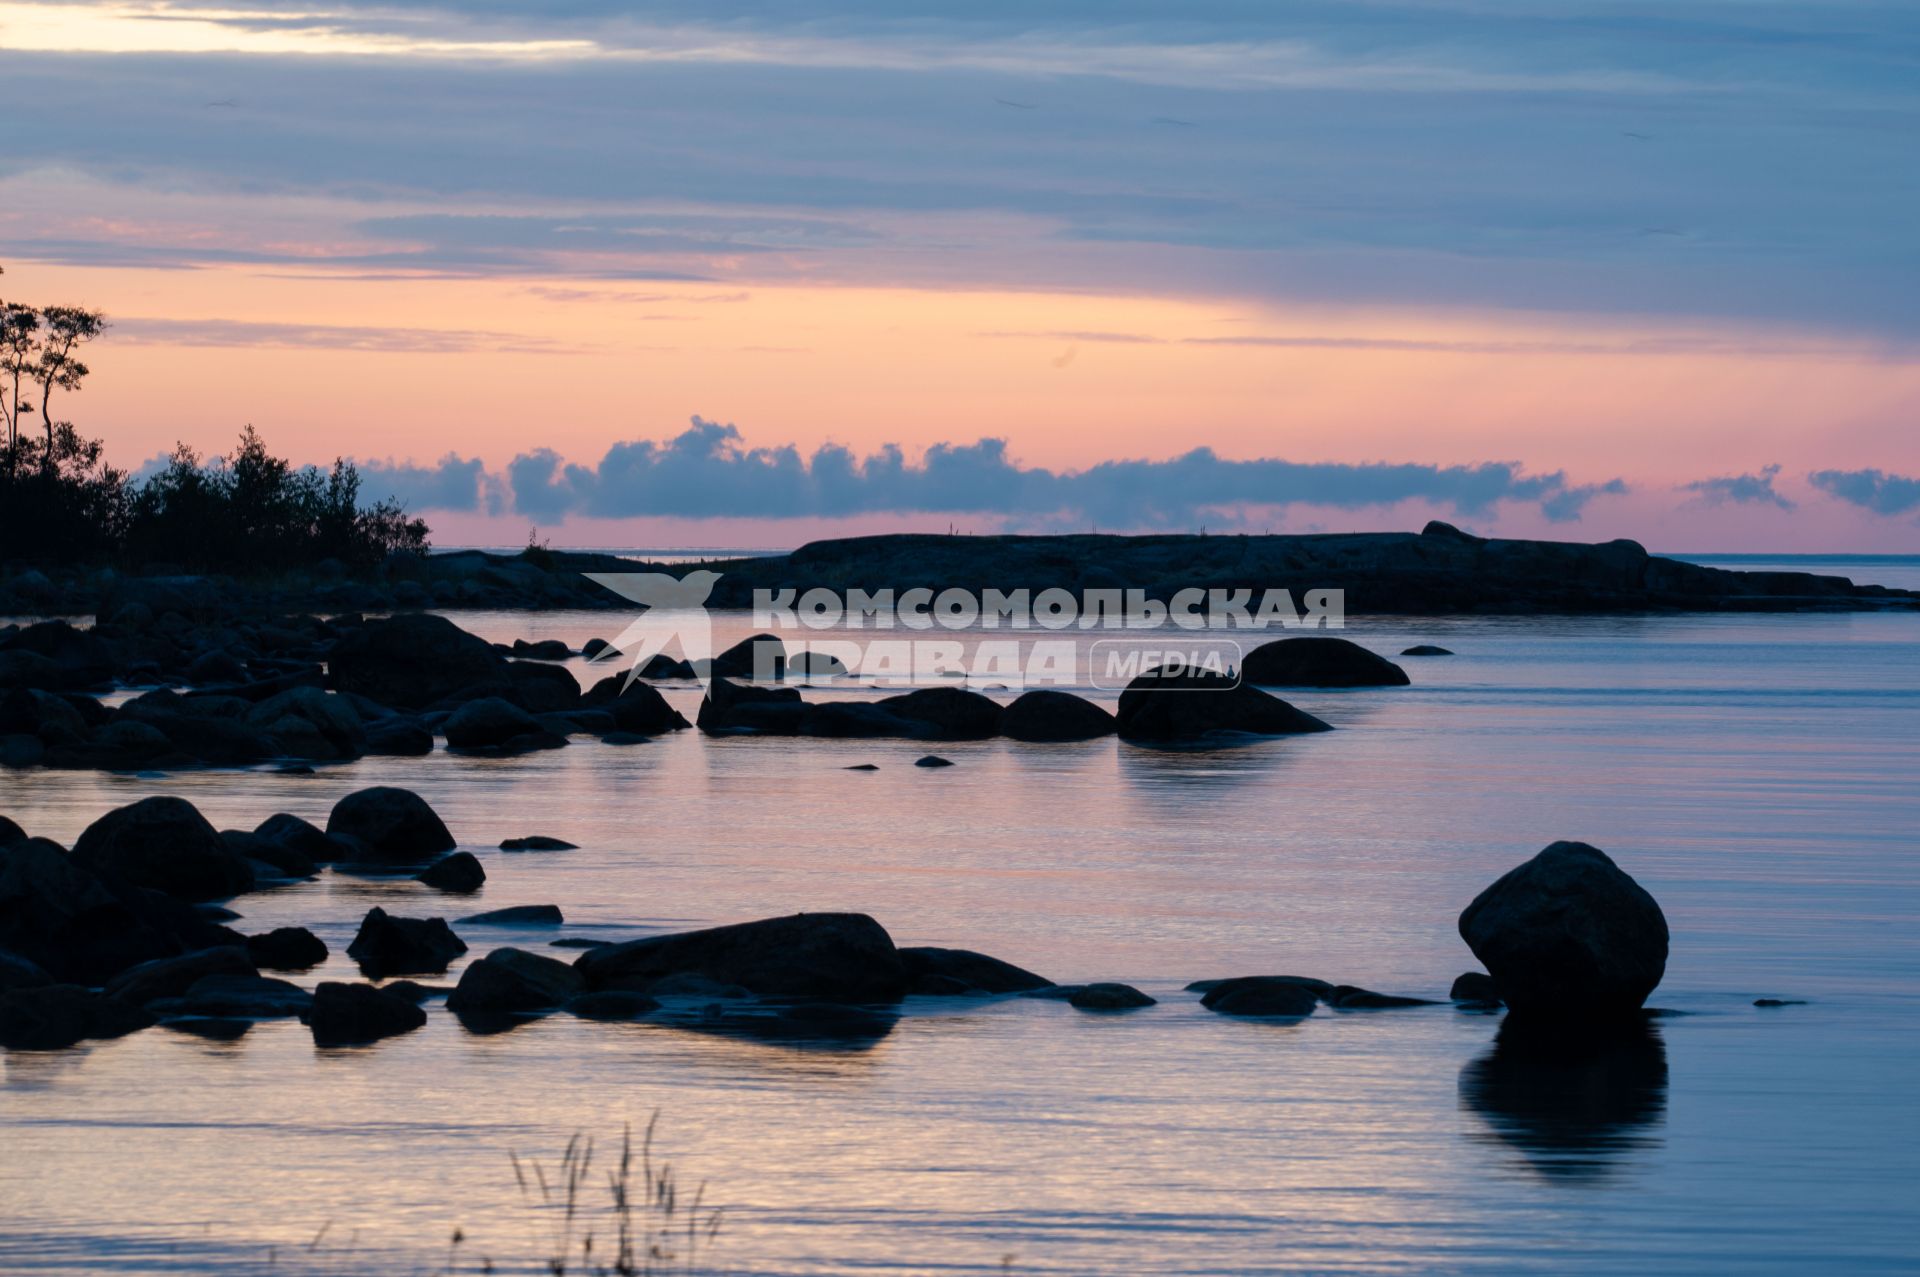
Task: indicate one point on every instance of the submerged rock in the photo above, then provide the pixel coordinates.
(354, 1014)
(247, 996)
(538, 842)
(833, 956)
(1160, 708)
(612, 1005)
(395, 824)
(1320, 660)
(933, 760)
(1426, 649)
(1347, 997)
(1108, 997)
(491, 723)
(1046, 714)
(946, 713)
(1569, 935)
(1474, 986)
(520, 916)
(964, 972)
(387, 945)
(1277, 997)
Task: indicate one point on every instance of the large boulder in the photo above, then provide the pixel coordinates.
(1047, 714)
(83, 927)
(636, 707)
(165, 844)
(52, 1016)
(513, 982)
(310, 723)
(1320, 660)
(413, 660)
(1170, 707)
(460, 873)
(399, 736)
(946, 713)
(763, 656)
(490, 723)
(1568, 935)
(387, 946)
(740, 708)
(354, 1014)
(395, 824)
(10, 832)
(837, 957)
(301, 837)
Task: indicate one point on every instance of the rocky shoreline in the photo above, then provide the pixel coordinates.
(1438, 571)
(137, 926)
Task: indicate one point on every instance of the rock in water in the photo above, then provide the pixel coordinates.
(352, 1014)
(537, 842)
(164, 844)
(1046, 714)
(1320, 661)
(1108, 997)
(459, 873)
(636, 707)
(395, 824)
(488, 723)
(287, 949)
(170, 977)
(387, 945)
(1473, 986)
(1278, 997)
(1426, 649)
(933, 760)
(53, 1016)
(840, 957)
(520, 916)
(1168, 708)
(946, 713)
(962, 971)
(1569, 936)
(512, 982)
(413, 660)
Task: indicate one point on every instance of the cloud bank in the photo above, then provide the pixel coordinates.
(708, 471)
(1741, 489)
(1871, 490)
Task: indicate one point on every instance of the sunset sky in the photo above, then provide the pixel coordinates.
(745, 274)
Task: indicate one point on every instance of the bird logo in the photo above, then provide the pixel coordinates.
(675, 617)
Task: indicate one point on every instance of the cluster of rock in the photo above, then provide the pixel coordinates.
(297, 689)
(118, 934)
(300, 690)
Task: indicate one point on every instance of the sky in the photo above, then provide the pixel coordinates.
(743, 274)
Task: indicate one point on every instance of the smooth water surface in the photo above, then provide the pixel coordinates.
(1756, 773)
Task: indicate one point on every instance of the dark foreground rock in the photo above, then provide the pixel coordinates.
(395, 825)
(520, 916)
(354, 1014)
(1320, 661)
(1568, 935)
(1108, 997)
(165, 844)
(253, 997)
(1161, 708)
(514, 982)
(52, 1016)
(287, 949)
(414, 660)
(170, 977)
(459, 873)
(83, 927)
(841, 957)
(612, 1005)
(387, 946)
(962, 972)
(1046, 714)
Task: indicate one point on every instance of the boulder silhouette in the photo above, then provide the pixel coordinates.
(1175, 706)
(1320, 660)
(166, 844)
(841, 957)
(1047, 714)
(1568, 935)
(394, 824)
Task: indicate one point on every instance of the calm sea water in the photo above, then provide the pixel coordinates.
(1756, 773)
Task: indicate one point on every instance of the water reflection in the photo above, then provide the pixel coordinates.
(1575, 1106)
